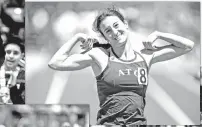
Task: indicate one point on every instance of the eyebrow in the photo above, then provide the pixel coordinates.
(12, 50)
(109, 26)
(115, 23)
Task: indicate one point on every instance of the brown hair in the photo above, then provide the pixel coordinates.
(103, 14)
(113, 11)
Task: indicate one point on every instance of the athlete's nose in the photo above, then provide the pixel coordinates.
(11, 55)
(115, 31)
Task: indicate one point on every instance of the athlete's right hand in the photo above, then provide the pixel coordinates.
(86, 41)
(148, 42)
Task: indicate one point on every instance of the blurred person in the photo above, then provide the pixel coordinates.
(12, 72)
(73, 116)
(81, 119)
(61, 117)
(15, 25)
(25, 122)
(42, 115)
(10, 26)
(66, 124)
(54, 123)
(121, 70)
(5, 96)
(16, 116)
(4, 114)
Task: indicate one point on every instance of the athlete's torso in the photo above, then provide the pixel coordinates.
(121, 77)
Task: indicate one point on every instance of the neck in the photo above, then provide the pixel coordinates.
(123, 50)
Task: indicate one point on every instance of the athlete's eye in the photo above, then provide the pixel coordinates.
(116, 25)
(108, 31)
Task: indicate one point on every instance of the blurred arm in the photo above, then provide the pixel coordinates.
(178, 46)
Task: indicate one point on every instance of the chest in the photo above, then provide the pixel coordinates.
(122, 72)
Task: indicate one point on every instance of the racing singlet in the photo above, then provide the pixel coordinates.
(121, 90)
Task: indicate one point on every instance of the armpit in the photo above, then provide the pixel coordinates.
(100, 57)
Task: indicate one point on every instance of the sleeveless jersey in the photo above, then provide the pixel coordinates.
(120, 76)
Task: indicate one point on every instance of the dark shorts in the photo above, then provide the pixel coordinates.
(122, 109)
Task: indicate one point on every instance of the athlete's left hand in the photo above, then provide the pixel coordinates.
(148, 42)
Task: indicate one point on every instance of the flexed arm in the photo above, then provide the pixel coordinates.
(178, 46)
(63, 61)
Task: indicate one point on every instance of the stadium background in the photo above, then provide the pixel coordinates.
(173, 91)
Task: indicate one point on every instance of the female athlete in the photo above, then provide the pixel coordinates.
(120, 70)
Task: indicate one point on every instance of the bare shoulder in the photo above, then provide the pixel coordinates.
(98, 52)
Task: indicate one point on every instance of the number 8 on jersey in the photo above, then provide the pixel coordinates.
(142, 76)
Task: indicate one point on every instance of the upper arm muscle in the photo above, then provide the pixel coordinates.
(75, 62)
(96, 58)
(167, 53)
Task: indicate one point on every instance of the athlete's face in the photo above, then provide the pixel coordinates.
(13, 55)
(114, 30)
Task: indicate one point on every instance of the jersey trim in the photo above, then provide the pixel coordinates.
(122, 59)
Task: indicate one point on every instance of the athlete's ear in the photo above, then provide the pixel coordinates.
(126, 23)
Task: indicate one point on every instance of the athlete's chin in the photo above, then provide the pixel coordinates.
(122, 41)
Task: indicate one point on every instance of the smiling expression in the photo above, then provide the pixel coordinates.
(13, 55)
(114, 30)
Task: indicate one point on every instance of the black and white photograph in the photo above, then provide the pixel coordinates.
(156, 126)
(40, 115)
(12, 52)
(201, 93)
(134, 63)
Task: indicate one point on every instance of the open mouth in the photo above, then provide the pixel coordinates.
(10, 61)
(118, 36)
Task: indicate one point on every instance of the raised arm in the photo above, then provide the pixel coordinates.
(178, 46)
(63, 61)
